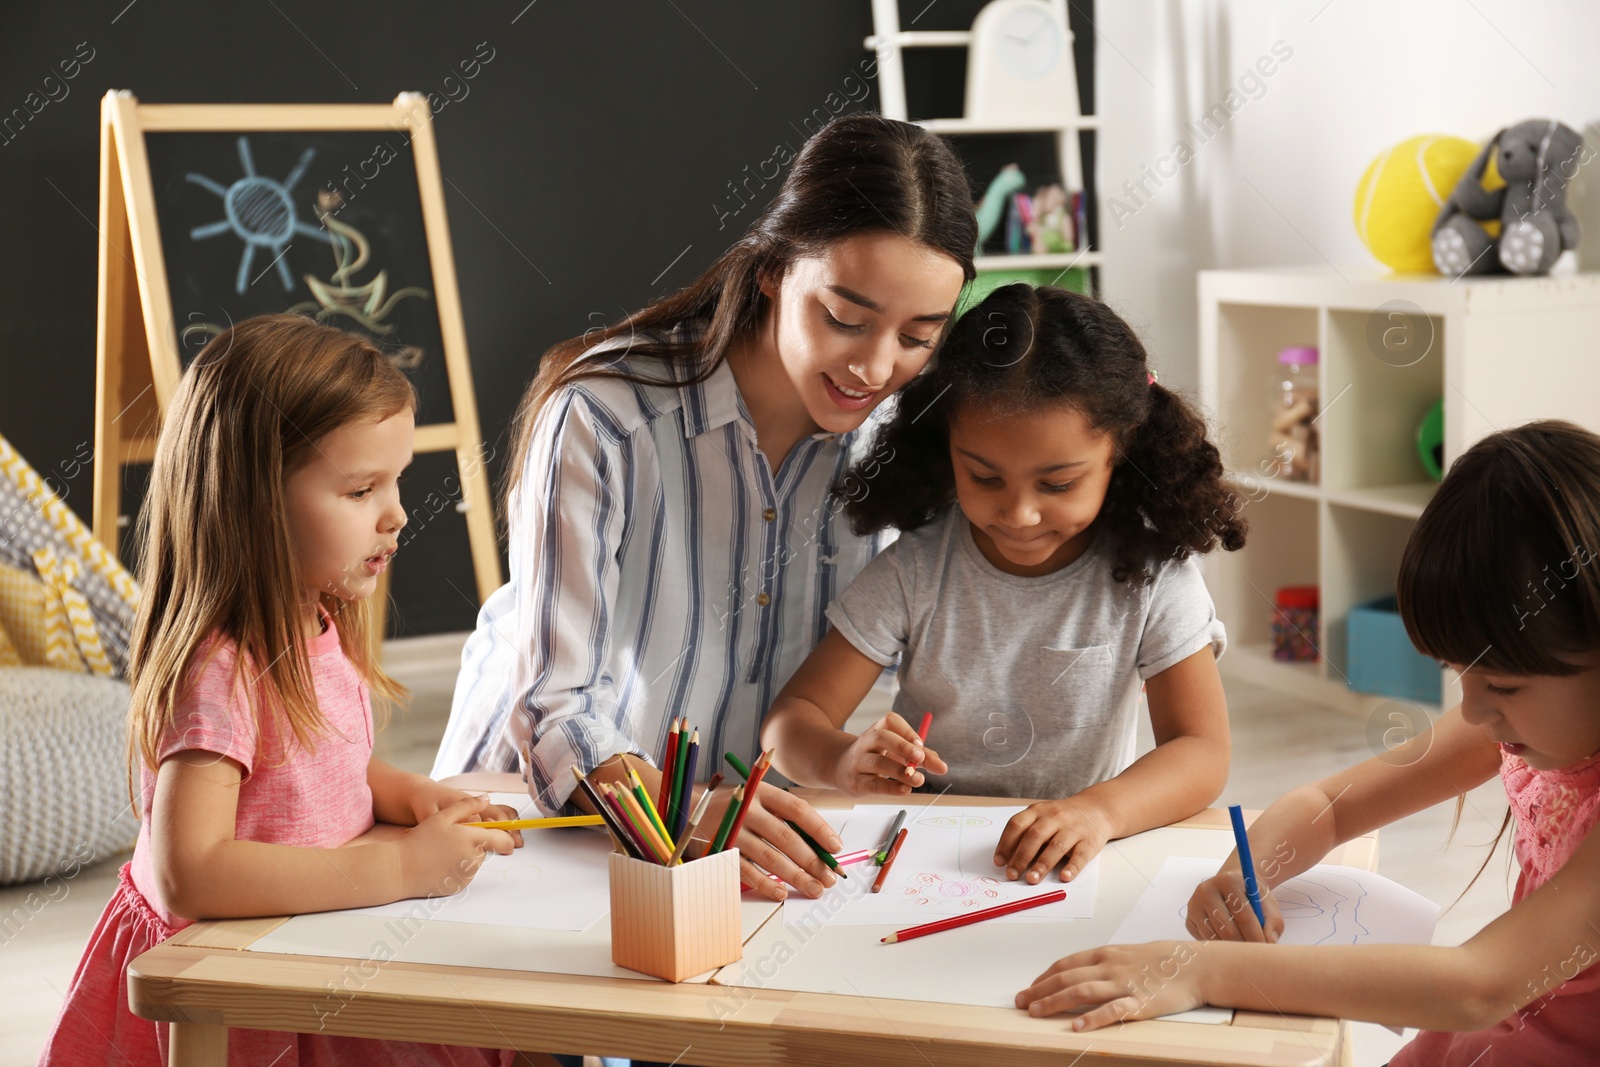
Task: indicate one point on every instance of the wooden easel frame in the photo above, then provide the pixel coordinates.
(137, 344)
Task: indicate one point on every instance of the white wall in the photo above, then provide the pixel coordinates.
(1276, 185)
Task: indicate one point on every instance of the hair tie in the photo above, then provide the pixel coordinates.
(1151, 375)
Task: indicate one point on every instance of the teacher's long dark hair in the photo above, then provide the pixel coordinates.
(1024, 348)
(858, 174)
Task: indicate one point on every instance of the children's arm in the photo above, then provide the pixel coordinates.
(1182, 774)
(1529, 951)
(805, 726)
(1304, 825)
(406, 799)
(204, 872)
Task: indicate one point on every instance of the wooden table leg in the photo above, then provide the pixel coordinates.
(197, 1045)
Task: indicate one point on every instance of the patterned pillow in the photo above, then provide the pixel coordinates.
(65, 601)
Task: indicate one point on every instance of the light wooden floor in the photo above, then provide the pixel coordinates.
(1278, 743)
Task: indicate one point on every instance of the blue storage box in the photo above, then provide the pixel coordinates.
(1382, 658)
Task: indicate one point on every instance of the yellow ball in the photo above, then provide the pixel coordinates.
(1400, 196)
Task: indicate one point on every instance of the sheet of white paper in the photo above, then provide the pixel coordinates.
(1327, 905)
(946, 867)
(558, 880)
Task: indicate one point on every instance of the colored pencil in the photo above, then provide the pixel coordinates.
(648, 809)
(975, 916)
(689, 767)
(669, 759)
(751, 784)
(881, 853)
(860, 855)
(1246, 864)
(922, 735)
(737, 764)
(720, 842)
(688, 831)
(541, 824)
(613, 797)
(894, 850)
(822, 854)
(680, 796)
(659, 844)
(618, 834)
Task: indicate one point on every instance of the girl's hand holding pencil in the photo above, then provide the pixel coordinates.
(1219, 910)
(886, 758)
(441, 853)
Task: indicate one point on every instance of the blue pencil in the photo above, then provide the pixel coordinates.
(688, 784)
(1247, 864)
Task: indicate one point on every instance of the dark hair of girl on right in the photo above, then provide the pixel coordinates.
(1023, 349)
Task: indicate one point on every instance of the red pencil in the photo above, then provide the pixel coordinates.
(922, 735)
(756, 774)
(888, 861)
(976, 916)
(669, 760)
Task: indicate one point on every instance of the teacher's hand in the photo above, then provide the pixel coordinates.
(767, 844)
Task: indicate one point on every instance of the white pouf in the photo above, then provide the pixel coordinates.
(64, 800)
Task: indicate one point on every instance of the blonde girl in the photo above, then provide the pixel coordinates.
(274, 505)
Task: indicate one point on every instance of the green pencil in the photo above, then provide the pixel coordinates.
(720, 842)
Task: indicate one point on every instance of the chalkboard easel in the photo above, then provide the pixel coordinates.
(210, 213)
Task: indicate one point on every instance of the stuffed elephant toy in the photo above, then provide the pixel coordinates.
(1537, 159)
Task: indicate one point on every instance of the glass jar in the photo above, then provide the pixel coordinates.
(1292, 437)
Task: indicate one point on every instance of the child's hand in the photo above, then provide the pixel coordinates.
(1042, 835)
(439, 855)
(1119, 983)
(1220, 910)
(432, 797)
(879, 760)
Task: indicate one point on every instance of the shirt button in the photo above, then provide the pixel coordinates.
(769, 514)
(763, 600)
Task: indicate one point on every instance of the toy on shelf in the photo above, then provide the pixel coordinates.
(1400, 195)
(1054, 227)
(1430, 441)
(1294, 624)
(1535, 159)
(996, 199)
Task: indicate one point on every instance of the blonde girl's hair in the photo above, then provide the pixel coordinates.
(216, 559)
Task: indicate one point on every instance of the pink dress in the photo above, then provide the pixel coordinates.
(289, 796)
(1554, 811)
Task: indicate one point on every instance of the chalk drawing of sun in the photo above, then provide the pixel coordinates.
(260, 212)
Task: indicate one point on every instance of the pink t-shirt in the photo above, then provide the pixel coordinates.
(289, 796)
(1554, 812)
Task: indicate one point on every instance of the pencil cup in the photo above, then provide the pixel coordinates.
(675, 922)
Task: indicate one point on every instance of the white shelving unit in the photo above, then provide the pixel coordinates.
(888, 41)
(1500, 351)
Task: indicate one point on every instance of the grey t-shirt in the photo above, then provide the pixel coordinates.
(1033, 682)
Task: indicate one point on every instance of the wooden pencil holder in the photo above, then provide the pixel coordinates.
(675, 922)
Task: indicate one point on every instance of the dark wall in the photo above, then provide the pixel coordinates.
(590, 166)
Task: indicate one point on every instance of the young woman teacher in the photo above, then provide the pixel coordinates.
(674, 537)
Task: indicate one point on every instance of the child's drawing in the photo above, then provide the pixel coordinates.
(260, 212)
(956, 822)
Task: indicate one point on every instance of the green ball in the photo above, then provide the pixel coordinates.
(1430, 441)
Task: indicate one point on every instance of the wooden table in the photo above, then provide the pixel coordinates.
(202, 983)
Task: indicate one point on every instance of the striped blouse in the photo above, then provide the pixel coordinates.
(658, 568)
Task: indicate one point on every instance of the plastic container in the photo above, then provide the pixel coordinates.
(1294, 624)
(1292, 440)
(1382, 658)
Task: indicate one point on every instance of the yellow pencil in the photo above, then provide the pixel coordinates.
(541, 824)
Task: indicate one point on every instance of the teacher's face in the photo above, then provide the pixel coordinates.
(855, 322)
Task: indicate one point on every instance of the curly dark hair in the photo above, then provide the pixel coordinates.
(1023, 348)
